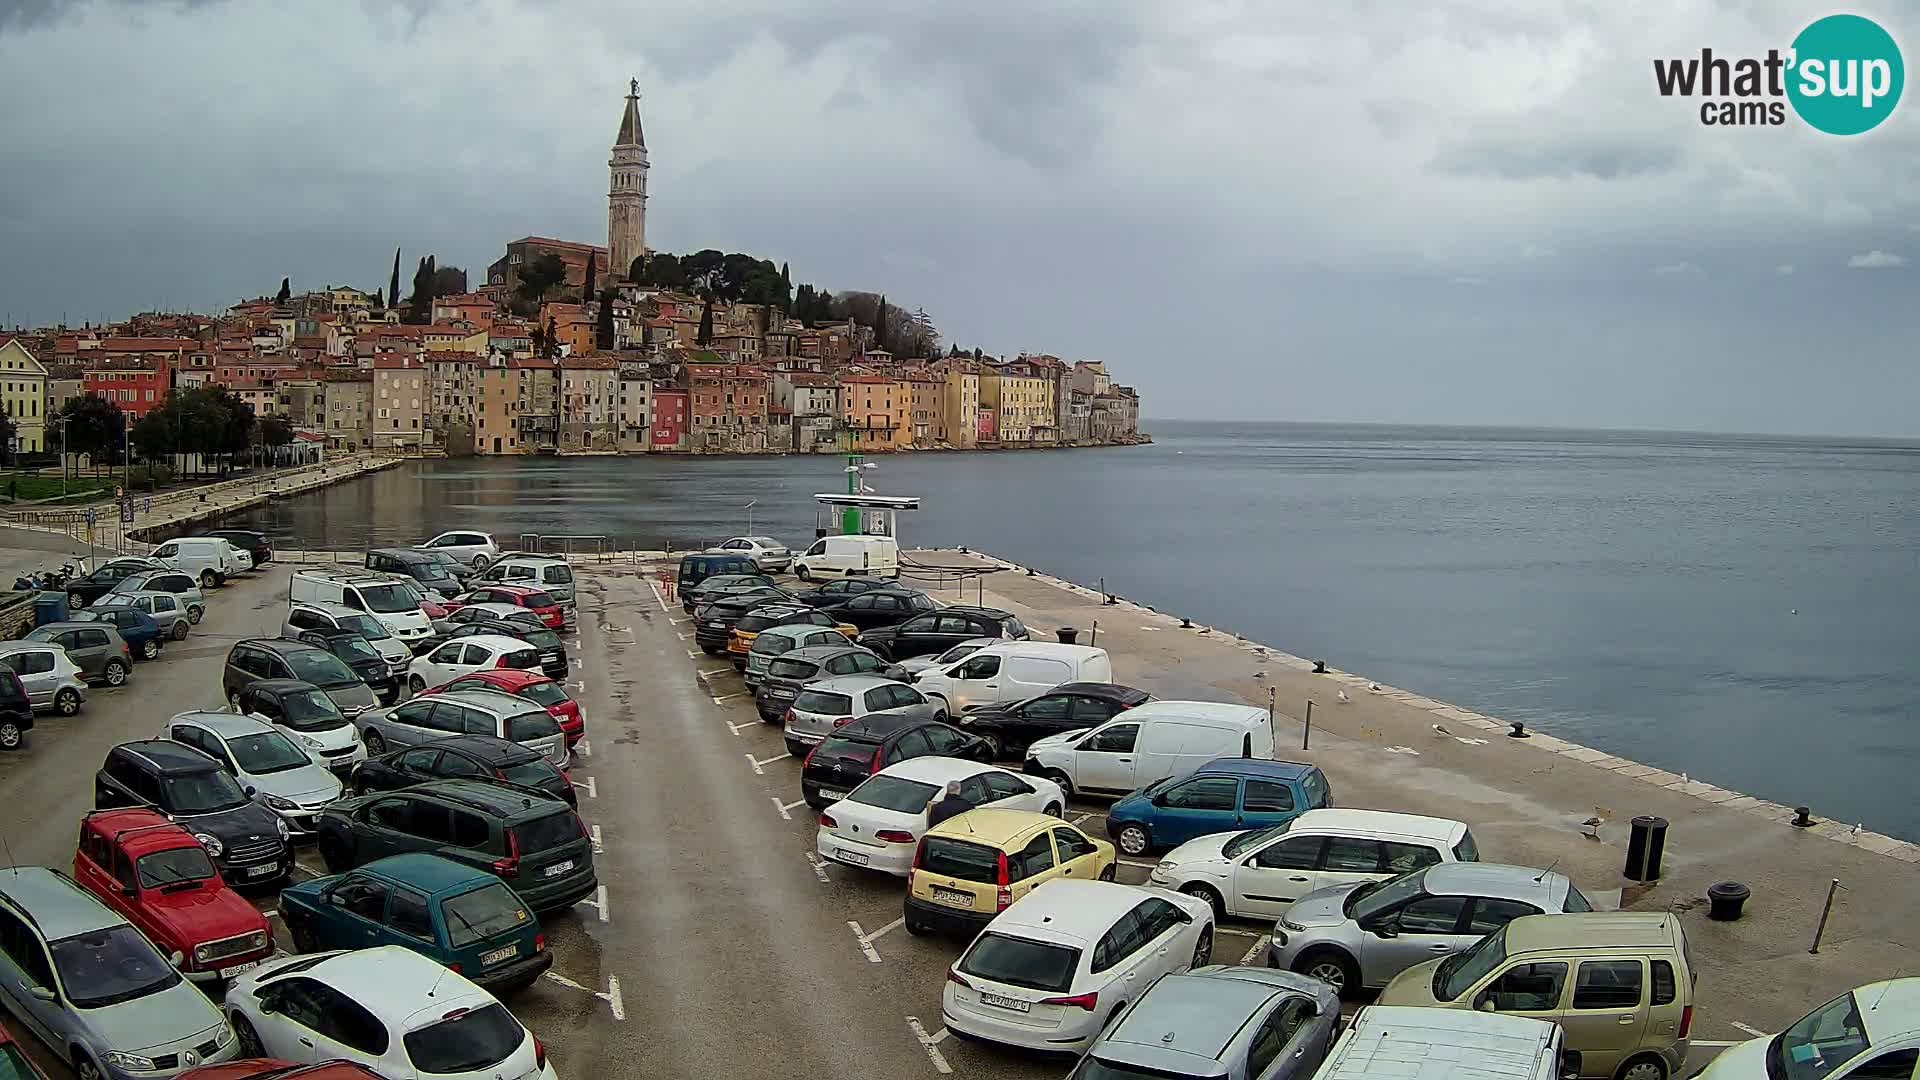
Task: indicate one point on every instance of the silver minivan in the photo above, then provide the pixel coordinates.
(544, 572)
(52, 680)
(830, 703)
(464, 712)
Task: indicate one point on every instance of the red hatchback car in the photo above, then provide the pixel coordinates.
(153, 871)
(274, 1068)
(538, 601)
(531, 685)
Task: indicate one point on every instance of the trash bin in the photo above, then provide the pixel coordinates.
(1725, 899)
(1646, 844)
(1068, 634)
(49, 607)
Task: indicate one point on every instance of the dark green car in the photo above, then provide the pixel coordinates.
(530, 840)
(464, 918)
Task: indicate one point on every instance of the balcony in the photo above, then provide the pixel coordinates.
(539, 424)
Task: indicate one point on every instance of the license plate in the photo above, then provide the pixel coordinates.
(835, 796)
(779, 693)
(238, 969)
(999, 1002)
(557, 869)
(498, 955)
(854, 857)
(953, 896)
(263, 870)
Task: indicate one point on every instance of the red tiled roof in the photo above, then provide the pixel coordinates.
(566, 245)
(394, 363)
(444, 356)
(146, 344)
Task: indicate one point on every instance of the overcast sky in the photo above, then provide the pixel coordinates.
(1470, 211)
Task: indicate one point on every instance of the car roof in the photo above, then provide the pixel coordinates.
(1375, 823)
(282, 686)
(1108, 690)
(395, 973)
(1593, 930)
(1441, 1044)
(412, 555)
(280, 645)
(510, 590)
(331, 633)
(1216, 711)
(1046, 649)
(326, 606)
(430, 873)
(1196, 1014)
(493, 700)
(796, 630)
(993, 827)
(143, 830)
(526, 556)
(821, 653)
(498, 799)
(877, 727)
(21, 646)
(488, 748)
(936, 770)
(1080, 910)
(1542, 888)
(499, 642)
(224, 724)
(851, 684)
(65, 625)
(1260, 767)
(169, 756)
(515, 676)
(1889, 1008)
(781, 609)
(971, 609)
(59, 907)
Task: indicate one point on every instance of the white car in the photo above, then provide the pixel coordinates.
(274, 770)
(464, 656)
(473, 548)
(954, 655)
(1869, 1032)
(390, 1009)
(878, 824)
(1049, 972)
(767, 553)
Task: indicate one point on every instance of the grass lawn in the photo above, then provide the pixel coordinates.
(25, 487)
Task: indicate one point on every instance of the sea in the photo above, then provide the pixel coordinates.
(1743, 608)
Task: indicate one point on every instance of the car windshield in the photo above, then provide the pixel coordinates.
(772, 644)
(894, 793)
(1457, 973)
(532, 772)
(823, 703)
(468, 1042)
(205, 792)
(310, 710)
(958, 652)
(111, 965)
(790, 669)
(353, 649)
(544, 693)
(547, 833)
(529, 726)
(1234, 847)
(1036, 965)
(1375, 897)
(1820, 1042)
(390, 598)
(482, 913)
(365, 625)
(1093, 1068)
(521, 659)
(164, 868)
(319, 668)
(845, 748)
(266, 752)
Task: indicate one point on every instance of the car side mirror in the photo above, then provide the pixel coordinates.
(1570, 1064)
(1386, 928)
(269, 1004)
(1484, 1002)
(36, 991)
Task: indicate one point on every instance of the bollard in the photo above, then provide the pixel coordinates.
(1067, 635)
(1803, 817)
(1518, 730)
(1821, 930)
(1306, 733)
(1725, 899)
(1645, 846)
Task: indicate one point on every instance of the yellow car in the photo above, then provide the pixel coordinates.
(973, 866)
(740, 638)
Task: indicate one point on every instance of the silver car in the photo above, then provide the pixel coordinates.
(779, 640)
(822, 706)
(1222, 1023)
(178, 582)
(95, 990)
(959, 652)
(51, 678)
(464, 712)
(271, 768)
(321, 616)
(97, 649)
(1364, 934)
(175, 619)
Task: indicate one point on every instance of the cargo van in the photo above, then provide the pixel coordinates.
(1393, 1042)
(1012, 671)
(1150, 742)
(209, 559)
(700, 566)
(392, 601)
(849, 556)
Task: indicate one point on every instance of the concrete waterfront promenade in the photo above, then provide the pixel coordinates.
(1525, 800)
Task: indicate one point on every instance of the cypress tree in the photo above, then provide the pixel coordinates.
(603, 326)
(586, 292)
(880, 322)
(393, 285)
(706, 324)
(285, 294)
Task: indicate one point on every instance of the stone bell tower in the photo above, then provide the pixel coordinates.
(627, 190)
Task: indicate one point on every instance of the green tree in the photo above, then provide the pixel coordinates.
(705, 335)
(273, 433)
(586, 291)
(603, 321)
(393, 285)
(379, 299)
(540, 276)
(552, 338)
(93, 427)
(880, 322)
(7, 432)
(449, 281)
(156, 435)
(420, 304)
(285, 294)
(661, 269)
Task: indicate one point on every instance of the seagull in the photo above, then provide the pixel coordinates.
(1856, 828)
(1685, 779)
(1442, 730)
(1341, 696)
(1373, 688)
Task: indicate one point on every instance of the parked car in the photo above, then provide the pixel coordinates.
(1447, 1044)
(253, 542)
(767, 553)
(324, 616)
(1073, 706)
(97, 649)
(876, 608)
(938, 631)
(465, 655)
(267, 1068)
(390, 1009)
(538, 846)
(82, 591)
(50, 680)
(304, 713)
(1867, 1033)
(714, 620)
(13, 1062)
(545, 573)
(538, 601)
(473, 548)
(1353, 936)
(208, 559)
(466, 757)
(698, 567)
(94, 989)
(787, 673)
(272, 769)
(748, 627)
(971, 867)
(1229, 1023)
(780, 640)
(463, 571)
(1618, 983)
(1229, 794)
(361, 658)
(464, 712)
(857, 750)
(1054, 969)
(247, 841)
(831, 703)
(879, 822)
(391, 599)
(137, 628)
(1013, 671)
(1258, 873)
(182, 586)
(849, 556)
(1150, 742)
(537, 688)
(553, 651)
(16, 712)
(466, 919)
(174, 617)
(276, 658)
(914, 665)
(431, 573)
(841, 589)
(154, 873)
(467, 613)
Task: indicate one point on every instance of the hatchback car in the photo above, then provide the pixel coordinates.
(247, 841)
(155, 873)
(175, 619)
(390, 1009)
(1067, 707)
(304, 713)
(51, 681)
(533, 570)
(1224, 795)
(721, 586)
(938, 631)
(879, 823)
(324, 616)
(857, 750)
(473, 548)
(917, 664)
(714, 619)
(1353, 936)
(464, 757)
(16, 712)
(831, 703)
(767, 553)
(251, 541)
(97, 649)
(747, 629)
(538, 601)
(82, 591)
(463, 656)
(271, 768)
(1868, 1033)
(138, 629)
(533, 686)
(182, 585)
(95, 990)
(274, 658)
(787, 673)
(975, 865)
(535, 844)
(699, 566)
(361, 658)
(1059, 965)
(431, 574)
(464, 712)
(448, 912)
(876, 608)
(780, 640)
(840, 589)
(553, 652)
(1229, 1023)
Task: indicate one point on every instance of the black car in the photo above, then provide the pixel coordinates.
(250, 541)
(82, 591)
(245, 839)
(553, 652)
(16, 711)
(864, 747)
(1013, 727)
(768, 616)
(938, 631)
(302, 708)
(719, 585)
(360, 657)
(464, 757)
(881, 607)
(789, 671)
(841, 590)
(714, 621)
(429, 571)
(252, 659)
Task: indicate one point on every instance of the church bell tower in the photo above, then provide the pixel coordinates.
(627, 190)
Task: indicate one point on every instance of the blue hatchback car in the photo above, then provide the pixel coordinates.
(137, 628)
(1224, 795)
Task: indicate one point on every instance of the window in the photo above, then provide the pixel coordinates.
(1072, 845)
(1897, 1065)
(1203, 793)
(422, 761)
(1117, 739)
(1490, 914)
(1268, 797)
(431, 821)
(1122, 940)
(1034, 859)
(1051, 707)
(983, 667)
(23, 947)
(347, 1021)
(1663, 986)
(1607, 984)
(1002, 785)
(1576, 901)
(395, 814)
(1527, 988)
(1402, 858)
(1293, 853)
(1275, 1033)
(943, 739)
(361, 896)
(470, 831)
(1432, 915)
(1346, 854)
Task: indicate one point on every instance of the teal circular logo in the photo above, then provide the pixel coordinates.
(1846, 74)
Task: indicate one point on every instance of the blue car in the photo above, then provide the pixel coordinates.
(1224, 795)
(137, 628)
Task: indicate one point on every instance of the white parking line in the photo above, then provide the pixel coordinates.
(1081, 818)
(866, 946)
(657, 597)
(759, 764)
(778, 805)
(613, 999)
(1259, 946)
(722, 699)
(304, 870)
(271, 913)
(1748, 1028)
(711, 674)
(743, 725)
(594, 835)
(590, 787)
(930, 1043)
(894, 925)
(683, 637)
(691, 655)
(1234, 931)
(599, 901)
(1711, 1043)
(1137, 862)
(819, 868)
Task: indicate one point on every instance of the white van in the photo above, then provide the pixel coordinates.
(1150, 742)
(1012, 671)
(392, 600)
(1393, 1042)
(849, 556)
(209, 559)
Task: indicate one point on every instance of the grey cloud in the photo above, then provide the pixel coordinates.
(1556, 156)
(1876, 260)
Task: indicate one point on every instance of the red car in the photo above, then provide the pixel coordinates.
(153, 871)
(14, 1061)
(539, 602)
(274, 1068)
(531, 685)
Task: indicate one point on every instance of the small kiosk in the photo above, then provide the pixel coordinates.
(860, 515)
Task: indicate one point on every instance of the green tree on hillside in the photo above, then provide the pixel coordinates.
(285, 294)
(393, 285)
(603, 321)
(541, 276)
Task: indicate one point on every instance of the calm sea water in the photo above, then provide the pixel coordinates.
(1744, 608)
